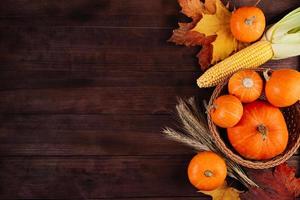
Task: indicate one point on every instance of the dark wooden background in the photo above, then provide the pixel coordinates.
(85, 89)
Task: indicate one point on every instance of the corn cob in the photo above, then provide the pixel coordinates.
(251, 57)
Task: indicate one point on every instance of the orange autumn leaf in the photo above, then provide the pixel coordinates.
(196, 8)
(192, 8)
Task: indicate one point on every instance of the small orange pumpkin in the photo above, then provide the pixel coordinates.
(226, 111)
(247, 24)
(207, 171)
(283, 87)
(247, 85)
(261, 133)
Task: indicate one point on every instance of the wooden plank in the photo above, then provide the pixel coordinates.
(134, 13)
(97, 135)
(91, 48)
(101, 177)
(12, 80)
(47, 38)
(102, 100)
(166, 198)
(111, 13)
(66, 135)
(97, 49)
(161, 198)
(96, 177)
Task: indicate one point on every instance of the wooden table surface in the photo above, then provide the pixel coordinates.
(86, 87)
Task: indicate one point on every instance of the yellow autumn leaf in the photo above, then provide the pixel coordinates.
(224, 193)
(218, 24)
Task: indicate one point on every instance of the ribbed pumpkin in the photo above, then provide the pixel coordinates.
(283, 87)
(207, 171)
(247, 85)
(226, 111)
(261, 133)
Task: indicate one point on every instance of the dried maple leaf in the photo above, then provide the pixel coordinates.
(179, 35)
(218, 24)
(193, 9)
(204, 56)
(280, 184)
(286, 175)
(223, 193)
(184, 36)
(209, 28)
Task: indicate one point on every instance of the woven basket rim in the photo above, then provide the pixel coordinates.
(257, 164)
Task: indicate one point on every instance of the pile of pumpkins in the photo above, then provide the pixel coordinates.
(256, 128)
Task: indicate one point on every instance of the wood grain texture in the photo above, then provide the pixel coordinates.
(100, 177)
(13, 80)
(97, 135)
(86, 87)
(91, 49)
(113, 13)
(104, 100)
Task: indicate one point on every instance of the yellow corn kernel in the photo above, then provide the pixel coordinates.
(250, 57)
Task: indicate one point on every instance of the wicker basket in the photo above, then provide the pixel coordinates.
(292, 117)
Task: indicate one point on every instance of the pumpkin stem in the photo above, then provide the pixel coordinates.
(208, 173)
(208, 108)
(248, 82)
(249, 21)
(263, 130)
(266, 74)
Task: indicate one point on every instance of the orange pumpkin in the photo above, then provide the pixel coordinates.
(207, 171)
(247, 24)
(261, 133)
(247, 85)
(226, 111)
(283, 87)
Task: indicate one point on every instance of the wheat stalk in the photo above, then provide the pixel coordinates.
(195, 133)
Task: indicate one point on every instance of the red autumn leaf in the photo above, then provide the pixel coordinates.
(280, 184)
(204, 56)
(286, 175)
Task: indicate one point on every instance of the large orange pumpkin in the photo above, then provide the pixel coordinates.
(261, 133)
(247, 85)
(226, 111)
(283, 87)
(207, 171)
